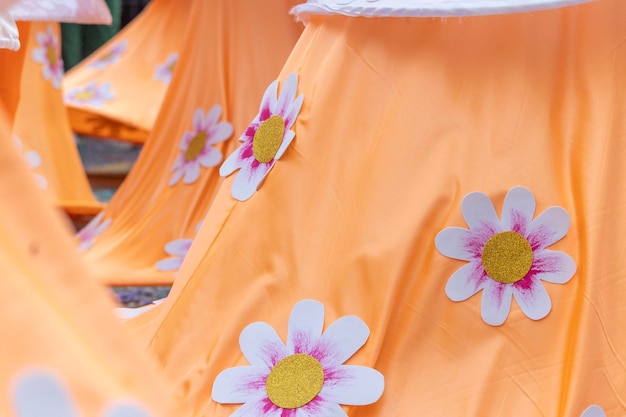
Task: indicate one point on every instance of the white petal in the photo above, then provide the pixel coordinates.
(176, 177)
(268, 102)
(198, 120)
(262, 346)
(593, 411)
(210, 157)
(192, 173)
(178, 247)
(259, 408)
(552, 266)
(32, 159)
(519, 209)
(342, 339)
(239, 385)
(287, 139)
(292, 112)
(466, 281)
(353, 385)
(220, 133)
(40, 394)
(39, 55)
(549, 227)
(319, 408)
(127, 410)
(288, 91)
(305, 326)
(450, 242)
(478, 211)
(496, 302)
(532, 298)
(41, 181)
(169, 264)
(231, 163)
(248, 181)
(212, 116)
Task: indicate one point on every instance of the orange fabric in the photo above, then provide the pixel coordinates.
(41, 124)
(54, 318)
(10, 75)
(147, 42)
(401, 119)
(234, 50)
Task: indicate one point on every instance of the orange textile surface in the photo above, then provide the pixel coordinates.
(233, 50)
(118, 90)
(41, 128)
(63, 351)
(457, 185)
(11, 74)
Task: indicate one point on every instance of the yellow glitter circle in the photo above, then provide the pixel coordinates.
(84, 95)
(294, 381)
(52, 55)
(195, 146)
(507, 257)
(268, 139)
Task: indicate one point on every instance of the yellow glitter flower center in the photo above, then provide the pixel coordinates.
(507, 257)
(195, 146)
(295, 381)
(268, 139)
(106, 56)
(51, 53)
(84, 95)
(171, 66)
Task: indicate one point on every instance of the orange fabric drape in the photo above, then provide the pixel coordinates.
(10, 75)
(233, 51)
(136, 65)
(41, 126)
(402, 118)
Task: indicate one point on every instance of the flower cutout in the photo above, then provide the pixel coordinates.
(91, 94)
(49, 54)
(593, 411)
(507, 258)
(178, 249)
(196, 147)
(33, 161)
(39, 393)
(88, 234)
(165, 70)
(265, 140)
(111, 56)
(306, 377)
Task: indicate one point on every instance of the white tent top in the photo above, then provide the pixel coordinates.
(425, 8)
(75, 11)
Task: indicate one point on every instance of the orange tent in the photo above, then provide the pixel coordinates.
(441, 168)
(42, 131)
(118, 90)
(233, 50)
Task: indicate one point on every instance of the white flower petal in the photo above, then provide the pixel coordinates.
(287, 139)
(39, 55)
(466, 281)
(478, 211)
(32, 159)
(353, 385)
(292, 113)
(239, 385)
(198, 121)
(41, 181)
(178, 247)
(549, 227)
(169, 264)
(261, 345)
(231, 163)
(450, 242)
(552, 266)
(41, 394)
(321, 408)
(212, 116)
(178, 174)
(210, 157)
(127, 410)
(248, 181)
(342, 339)
(220, 133)
(268, 102)
(192, 173)
(287, 92)
(305, 326)
(518, 210)
(532, 298)
(259, 408)
(593, 411)
(496, 302)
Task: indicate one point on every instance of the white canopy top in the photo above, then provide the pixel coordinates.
(425, 8)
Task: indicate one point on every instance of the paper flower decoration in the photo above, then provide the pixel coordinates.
(49, 54)
(39, 393)
(196, 147)
(92, 94)
(265, 140)
(507, 258)
(593, 411)
(111, 56)
(306, 377)
(165, 70)
(33, 161)
(88, 234)
(178, 249)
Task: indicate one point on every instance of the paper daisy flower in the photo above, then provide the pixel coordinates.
(88, 234)
(39, 393)
(304, 378)
(165, 70)
(593, 411)
(33, 161)
(111, 56)
(91, 94)
(178, 250)
(265, 140)
(507, 258)
(196, 146)
(49, 54)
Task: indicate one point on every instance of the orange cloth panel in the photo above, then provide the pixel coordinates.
(234, 49)
(41, 127)
(402, 118)
(10, 75)
(136, 65)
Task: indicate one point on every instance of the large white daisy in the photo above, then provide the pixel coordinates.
(306, 377)
(49, 55)
(265, 140)
(507, 258)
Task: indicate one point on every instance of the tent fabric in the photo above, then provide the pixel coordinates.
(233, 51)
(42, 129)
(77, 11)
(11, 74)
(426, 8)
(9, 35)
(509, 126)
(136, 67)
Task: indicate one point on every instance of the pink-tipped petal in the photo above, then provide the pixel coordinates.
(478, 211)
(319, 407)
(342, 339)
(192, 173)
(262, 346)
(466, 281)
(230, 164)
(210, 157)
(496, 302)
(268, 101)
(353, 385)
(220, 133)
(240, 384)
(518, 210)
(287, 93)
(292, 112)
(549, 227)
(305, 326)
(248, 181)
(532, 298)
(552, 266)
(452, 242)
